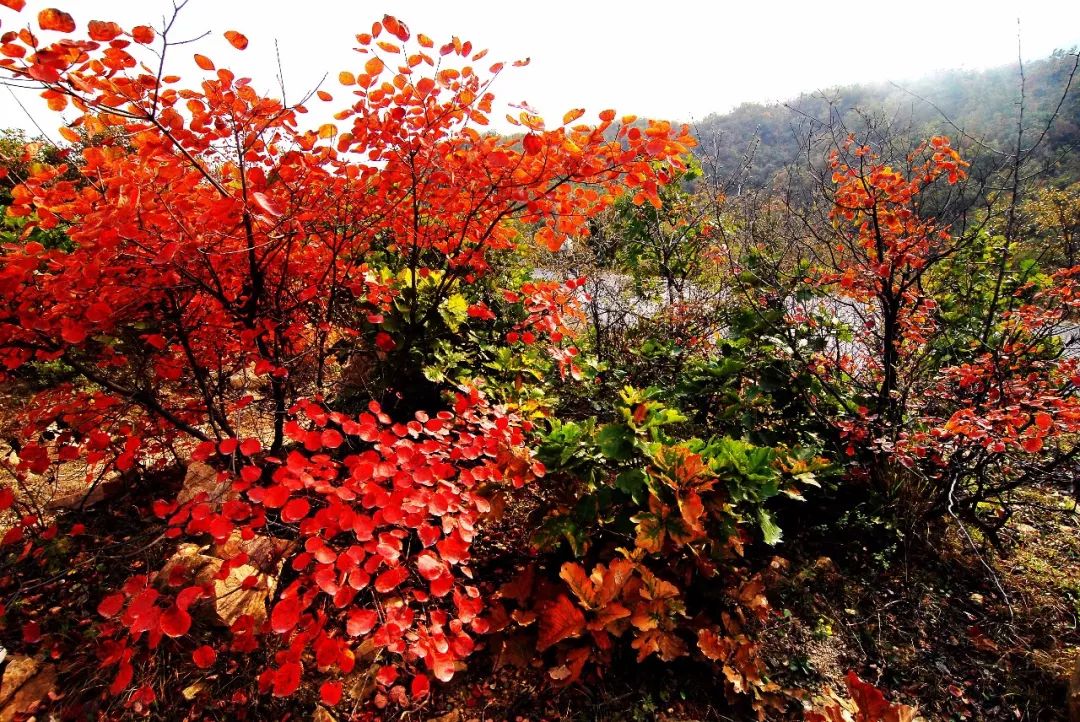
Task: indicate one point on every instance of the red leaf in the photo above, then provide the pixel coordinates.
(361, 621)
(453, 549)
(7, 498)
(532, 144)
(287, 679)
(386, 675)
(420, 686)
(58, 20)
(175, 622)
(204, 62)
(123, 678)
(16, 5)
(265, 204)
(295, 510)
(204, 656)
(285, 615)
(390, 579)
(395, 27)
(72, 332)
(330, 693)
(31, 632)
(111, 604)
(430, 566)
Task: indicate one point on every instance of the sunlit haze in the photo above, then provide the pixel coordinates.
(675, 60)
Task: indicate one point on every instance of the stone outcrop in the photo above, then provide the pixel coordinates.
(233, 595)
(26, 681)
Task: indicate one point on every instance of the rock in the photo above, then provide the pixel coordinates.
(265, 553)
(86, 498)
(18, 670)
(231, 598)
(360, 684)
(202, 477)
(1074, 693)
(26, 682)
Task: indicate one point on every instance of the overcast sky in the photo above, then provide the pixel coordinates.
(681, 60)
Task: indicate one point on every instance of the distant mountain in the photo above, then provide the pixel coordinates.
(982, 108)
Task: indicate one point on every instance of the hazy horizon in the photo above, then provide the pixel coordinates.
(708, 60)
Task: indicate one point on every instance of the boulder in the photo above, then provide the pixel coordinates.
(86, 497)
(26, 682)
(265, 553)
(201, 477)
(231, 598)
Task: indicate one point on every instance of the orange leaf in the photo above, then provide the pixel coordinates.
(143, 34)
(373, 66)
(425, 86)
(559, 619)
(346, 78)
(237, 40)
(58, 20)
(575, 577)
(573, 115)
(1044, 421)
(103, 31)
(16, 5)
(712, 645)
(204, 62)
(56, 101)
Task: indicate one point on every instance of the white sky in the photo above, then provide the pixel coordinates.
(662, 58)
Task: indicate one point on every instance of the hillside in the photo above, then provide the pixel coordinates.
(978, 109)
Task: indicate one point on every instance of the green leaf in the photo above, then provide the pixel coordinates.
(631, 481)
(769, 529)
(616, 442)
(454, 310)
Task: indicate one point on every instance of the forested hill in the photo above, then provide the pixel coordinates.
(761, 139)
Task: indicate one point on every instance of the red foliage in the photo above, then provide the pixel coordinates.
(218, 253)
